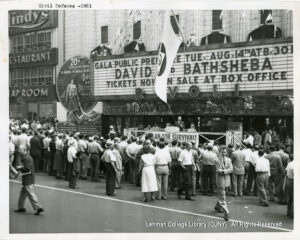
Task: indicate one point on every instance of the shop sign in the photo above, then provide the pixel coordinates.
(40, 58)
(37, 92)
(21, 21)
(254, 68)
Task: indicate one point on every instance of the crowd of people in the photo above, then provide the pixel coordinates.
(257, 166)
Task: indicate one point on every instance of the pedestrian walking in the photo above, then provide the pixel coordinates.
(28, 180)
(224, 168)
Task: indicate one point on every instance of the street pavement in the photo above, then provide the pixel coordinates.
(89, 210)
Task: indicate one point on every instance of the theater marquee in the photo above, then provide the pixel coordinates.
(254, 67)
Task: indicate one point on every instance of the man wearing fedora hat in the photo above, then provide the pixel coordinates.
(73, 164)
(111, 168)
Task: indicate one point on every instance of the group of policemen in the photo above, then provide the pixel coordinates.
(237, 170)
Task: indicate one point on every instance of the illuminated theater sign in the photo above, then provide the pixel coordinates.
(254, 67)
(21, 21)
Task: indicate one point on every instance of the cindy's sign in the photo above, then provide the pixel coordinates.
(29, 20)
(40, 58)
(254, 68)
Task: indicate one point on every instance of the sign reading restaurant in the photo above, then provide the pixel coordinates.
(46, 57)
(254, 67)
(21, 21)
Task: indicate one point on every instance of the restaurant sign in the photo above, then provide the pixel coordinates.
(39, 58)
(21, 21)
(255, 67)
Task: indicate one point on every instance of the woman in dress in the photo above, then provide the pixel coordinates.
(149, 184)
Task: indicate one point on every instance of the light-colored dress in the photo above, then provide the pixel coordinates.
(149, 183)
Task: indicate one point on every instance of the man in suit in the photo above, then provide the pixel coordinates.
(179, 123)
(238, 163)
(277, 171)
(28, 180)
(36, 149)
(224, 168)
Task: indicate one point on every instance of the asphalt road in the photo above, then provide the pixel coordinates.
(89, 210)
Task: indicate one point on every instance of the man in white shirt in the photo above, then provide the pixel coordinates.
(249, 177)
(162, 166)
(249, 139)
(111, 168)
(289, 186)
(73, 164)
(186, 161)
(262, 168)
(131, 151)
(83, 157)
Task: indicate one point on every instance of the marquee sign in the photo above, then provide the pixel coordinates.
(254, 68)
(21, 21)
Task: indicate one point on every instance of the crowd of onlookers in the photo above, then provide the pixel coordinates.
(260, 165)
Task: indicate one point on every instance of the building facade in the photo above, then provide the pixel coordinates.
(235, 66)
(34, 61)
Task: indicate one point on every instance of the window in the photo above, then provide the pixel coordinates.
(31, 42)
(48, 76)
(266, 16)
(46, 109)
(217, 20)
(136, 30)
(104, 34)
(31, 77)
(174, 24)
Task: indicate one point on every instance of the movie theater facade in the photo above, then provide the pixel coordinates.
(33, 62)
(248, 81)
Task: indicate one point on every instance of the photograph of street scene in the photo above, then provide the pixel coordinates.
(151, 120)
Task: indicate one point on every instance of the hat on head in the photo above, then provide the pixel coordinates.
(71, 142)
(109, 143)
(117, 140)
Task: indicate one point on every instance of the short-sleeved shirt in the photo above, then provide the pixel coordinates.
(290, 170)
(162, 157)
(186, 157)
(71, 153)
(94, 147)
